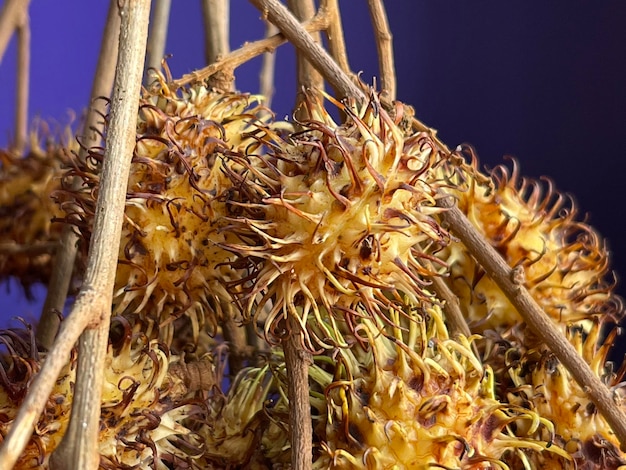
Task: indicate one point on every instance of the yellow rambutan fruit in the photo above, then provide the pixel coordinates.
(530, 224)
(419, 399)
(332, 216)
(27, 234)
(541, 383)
(147, 414)
(171, 260)
(248, 427)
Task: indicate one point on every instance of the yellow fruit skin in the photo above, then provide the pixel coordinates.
(335, 215)
(530, 224)
(27, 210)
(145, 411)
(541, 383)
(171, 260)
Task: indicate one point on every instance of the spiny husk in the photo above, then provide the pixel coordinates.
(27, 209)
(333, 216)
(419, 399)
(171, 262)
(542, 383)
(248, 428)
(533, 225)
(147, 414)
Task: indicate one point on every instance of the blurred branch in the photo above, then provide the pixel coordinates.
(93, 304)
(37, 248)
(278, 14)
(308, 78)
(92, 132)
(157, 39)
(253, 49)
(266, 76)
(334, 33)
(384, 46)
(22, 82)
(10, 18)
(216, 29)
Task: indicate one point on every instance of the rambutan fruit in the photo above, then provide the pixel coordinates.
(419, 399)
(332, 216)
(531, 225)
(147, 414)
(171, 260)
(27, 234)
(542, 383)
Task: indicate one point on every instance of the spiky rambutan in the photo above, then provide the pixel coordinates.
(147, 414)
(171, 260)
(530, 224)
(248, 427)
(27, 234)
(332, 216)
(541, 383)
(419, 399)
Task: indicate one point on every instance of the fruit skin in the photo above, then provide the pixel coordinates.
(530, 223)
(419, 399)
(147, 417)
(332, 216)
(27, 211)
(171, 263)
(541, 383)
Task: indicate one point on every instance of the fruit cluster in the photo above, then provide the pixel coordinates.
(330, 231)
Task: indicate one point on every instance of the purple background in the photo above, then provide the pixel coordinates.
(544, 82)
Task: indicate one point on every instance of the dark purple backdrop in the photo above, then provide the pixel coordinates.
(541, 81)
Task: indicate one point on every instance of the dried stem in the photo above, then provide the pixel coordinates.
(384, 46)
(266, 76)
(216, 36)
(93, 303)
(92, 130)
(157, 37)
(278, 14)
(511, 283)
(308, 78)
(245, 53)
(10, 18)
(216, 29)
(22, 82)
(454, 316)
(79, 447)
(334, 34)
(297, 361)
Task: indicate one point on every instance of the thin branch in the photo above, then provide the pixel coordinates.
(22, 83)
(384, 46)
(158, 37)
(245, 53)
(93, 303)
(278, 14)
(92, 130)
(216, 29)
(266, 76)
(454, 316)
(297, 361)
(511, 283)
(308, 78)
(79, 447)
(334, 34)
(10, 16)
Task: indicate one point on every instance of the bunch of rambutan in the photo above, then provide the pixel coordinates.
(232, 216)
